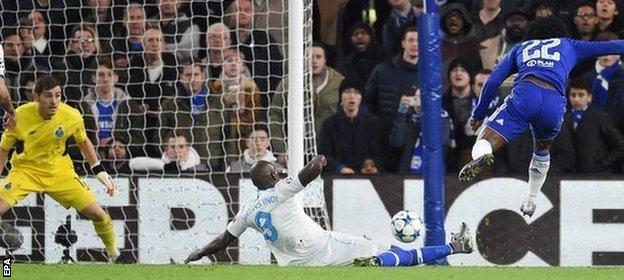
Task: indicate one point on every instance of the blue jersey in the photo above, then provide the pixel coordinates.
(550, 60)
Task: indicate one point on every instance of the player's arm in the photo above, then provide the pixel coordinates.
(5, 97)
(4, 155)
(504, 69)
(8, 140)
(312, 170)
(6, 104)
(88, 150)
(593, 48)
(217, 245)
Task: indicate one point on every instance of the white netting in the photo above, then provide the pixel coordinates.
(146, 75)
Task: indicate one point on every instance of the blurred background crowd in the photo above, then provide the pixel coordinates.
(177, 86)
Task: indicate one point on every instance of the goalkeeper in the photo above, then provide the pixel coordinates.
(40, 163)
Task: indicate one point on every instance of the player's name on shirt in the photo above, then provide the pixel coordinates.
(267, 200)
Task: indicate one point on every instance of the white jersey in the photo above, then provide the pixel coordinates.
(292, 236)
(2, 68)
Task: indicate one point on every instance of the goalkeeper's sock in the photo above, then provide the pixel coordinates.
(104, 230)
(538, 168)
(399, 257)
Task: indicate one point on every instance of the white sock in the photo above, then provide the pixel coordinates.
(538, 168)
(480, 148)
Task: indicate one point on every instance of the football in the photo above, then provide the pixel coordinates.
(406, 226)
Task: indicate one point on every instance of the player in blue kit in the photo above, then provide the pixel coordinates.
(543, 62)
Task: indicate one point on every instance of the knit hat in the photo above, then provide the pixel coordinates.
(362, 25)
(459, 62)
(517, 11)
(347, 84)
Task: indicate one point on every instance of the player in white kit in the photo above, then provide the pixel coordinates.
(296, 240)
(5, 98)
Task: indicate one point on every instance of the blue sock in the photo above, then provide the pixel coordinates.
(399, 257)
(432, 253)
(396, 257)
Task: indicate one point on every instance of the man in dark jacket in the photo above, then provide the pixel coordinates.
(599, 145)
(351, 136)
(391, 80)
(363, 56)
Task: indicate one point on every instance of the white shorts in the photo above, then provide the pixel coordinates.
(341, 249)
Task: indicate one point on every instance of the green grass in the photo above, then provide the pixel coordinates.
(234, 272)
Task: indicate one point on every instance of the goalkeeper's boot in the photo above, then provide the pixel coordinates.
(367, 261)
(472, 169)
(112, 257)
(461, 242)
(528, 208)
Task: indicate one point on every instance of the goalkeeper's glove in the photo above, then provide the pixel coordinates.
(104, 178)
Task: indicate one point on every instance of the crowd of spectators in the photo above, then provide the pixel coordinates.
(177, 85)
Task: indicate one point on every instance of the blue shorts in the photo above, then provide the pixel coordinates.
(529, 105)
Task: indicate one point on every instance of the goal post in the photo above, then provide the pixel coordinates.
(431, 84)
(161, 214)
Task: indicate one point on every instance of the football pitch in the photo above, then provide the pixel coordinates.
(271, 272)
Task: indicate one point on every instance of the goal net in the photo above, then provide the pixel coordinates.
(178, 96)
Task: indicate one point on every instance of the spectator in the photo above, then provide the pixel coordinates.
(477, 85)
(105, 19)
(240, 100)
(458, 38)
(330, 15)
(458, 101)
(81, 63)
(264, 59)
(543, 8)
(41, 42)
(25, 32)
(609, 19)
(128, 42)
(104, 98)
(402, 15)
(14, 62)
(352, 135)
(257, 148)
(272, 16)
(178, 156)
(116, 157)
(26, 85)
(389, 81)
(585, 22)
(196, 110)
(489, 21)
(607, 78)
(356, 11)
(494, 49)
(181, 35)
(599, 145)
(153, 75)
(218, 40)
(584, 28)
(326, 82)
(406, 134)
(325, 99)
(59, 18)
(364, 54)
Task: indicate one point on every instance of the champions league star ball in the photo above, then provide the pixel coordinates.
(406, 226)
